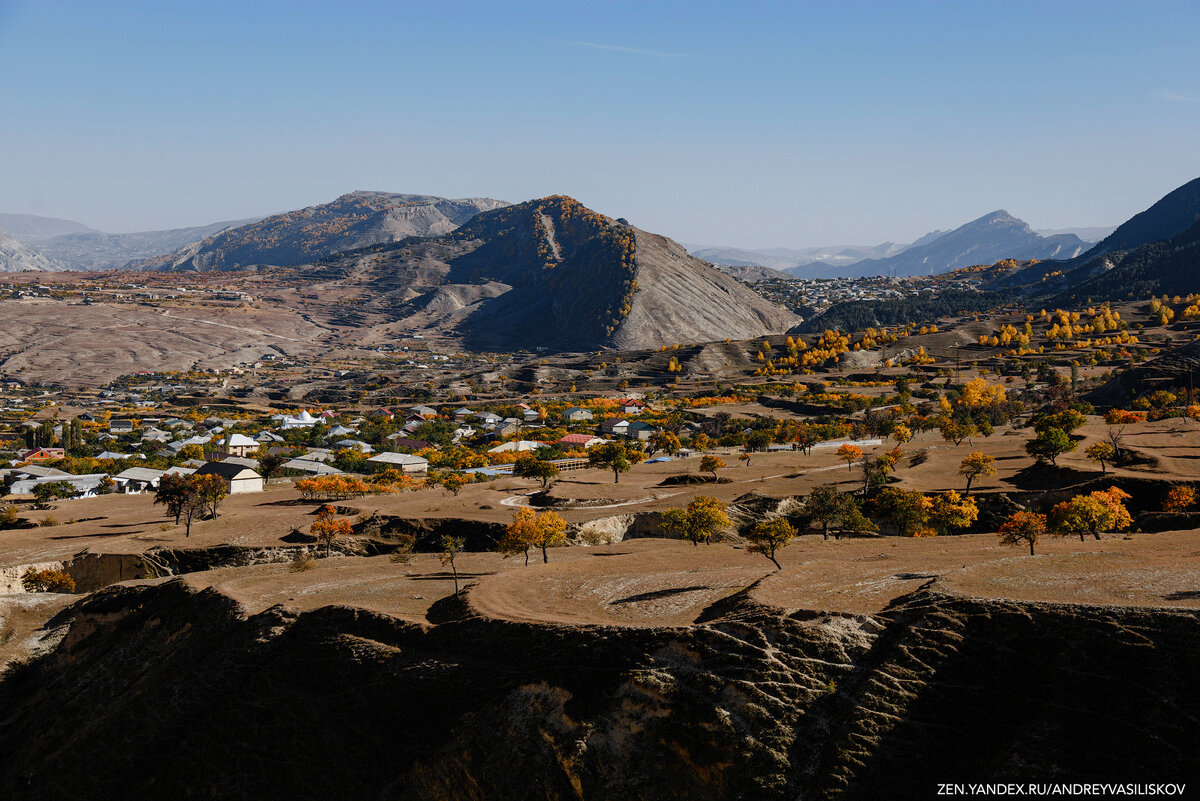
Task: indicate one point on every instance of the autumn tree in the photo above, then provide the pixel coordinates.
(326, 528)
(455, 482)
(1049, 445)
(902, 433)
(663, 441)
(849, 454)
(907, 510)
(1180, 499)
(211, 489)
(532, 530)
(1095, 513)
(1023, 527)
(711, 464)
(955, 431)
(976, 464)
(770, 536)
(48, 580)
(1101, 452)
(612, 456)
(704, 518)
(951, 511)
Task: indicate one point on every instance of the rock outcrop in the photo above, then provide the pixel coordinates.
(748, 703)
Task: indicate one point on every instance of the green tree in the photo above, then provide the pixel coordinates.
(770, 536)
(612, 456)
(51, 490)
(268, 463)
(529, 466)
(451, 547)
(1049, 444)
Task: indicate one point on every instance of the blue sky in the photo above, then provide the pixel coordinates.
(749, 124)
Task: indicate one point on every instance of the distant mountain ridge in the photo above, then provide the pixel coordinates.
(355, 220)
(986, 240)
(29, 228)
(96, 250)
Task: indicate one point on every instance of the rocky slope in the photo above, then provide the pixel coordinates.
(15, 257)
(749, 703)
(552, 274)
(354, 220)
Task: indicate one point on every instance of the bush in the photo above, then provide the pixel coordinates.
(48, 521)
(302, 562)
(48, 580)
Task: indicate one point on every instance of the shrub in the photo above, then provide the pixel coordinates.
(48, 521)
(48, 580)
(303, 561)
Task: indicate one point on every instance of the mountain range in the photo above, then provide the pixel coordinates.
(355, 220)
(985, 240)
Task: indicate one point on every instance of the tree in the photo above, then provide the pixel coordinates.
(1102, 452)
(192, 451)
(1117, 420)
(48, 580)
(907, 510)
(849, 454)
(955, 431)
(1050, 444)
(758, 441)
(451, 547)
(532, 530)
(529, 466)
(51, 490)
(455, 482)
(951, 511)
(827, 506)
(770, 536)
(1094, 514)
(518, 535)
(1180, 499)
(211, 490)
(663, 441)
(701, 442)
(976, 464)
(613, 456)
(806, 437)
(711, 464)
(902, 433)
(1023, 527)
(326, 528)
(703, 519)
(173, 492)
(268, 463)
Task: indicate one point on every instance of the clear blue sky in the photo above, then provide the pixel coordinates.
(750, 124)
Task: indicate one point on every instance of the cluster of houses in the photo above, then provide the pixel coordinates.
(231, 455)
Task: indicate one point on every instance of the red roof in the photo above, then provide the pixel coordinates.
(577, 439)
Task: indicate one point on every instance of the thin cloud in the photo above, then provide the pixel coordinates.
(637, 50)
(1175, 97)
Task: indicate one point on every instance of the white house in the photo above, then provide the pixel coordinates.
(237, 478)
(404, 462)
(138, 479)
(576, 415)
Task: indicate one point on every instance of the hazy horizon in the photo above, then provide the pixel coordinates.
(766, 126)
